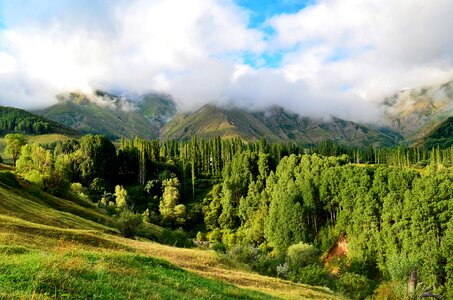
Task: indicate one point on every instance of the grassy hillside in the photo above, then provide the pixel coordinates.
(113, 116)
(54, 248)
(274, 124)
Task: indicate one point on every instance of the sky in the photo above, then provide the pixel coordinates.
(318, 58)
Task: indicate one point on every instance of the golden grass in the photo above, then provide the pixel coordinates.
(53, 225)
(207, 264)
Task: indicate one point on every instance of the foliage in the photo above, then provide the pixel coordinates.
(120, 197)
(354, 285)
(301, 255)
(172, 212)
(14, 143)
(129, 223)
(176, 238)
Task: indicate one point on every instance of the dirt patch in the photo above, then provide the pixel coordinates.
(336, 253)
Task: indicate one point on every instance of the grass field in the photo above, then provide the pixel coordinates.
(52, 248)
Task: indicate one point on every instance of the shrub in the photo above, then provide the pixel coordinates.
(129, 223)
(354, 285)
(399, 266)
(177, 238)
(201, 236)
(215, 236)
(300, 255)
(246, 254)
(313, 275)
(283, 270)
(219, 247)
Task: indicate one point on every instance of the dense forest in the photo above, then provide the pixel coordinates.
(14, 120)
(280, 208)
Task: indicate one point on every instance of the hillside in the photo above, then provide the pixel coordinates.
(441, 136)
(14, 120)
(54, 248)
(417, 112)
(113, 116)
(275, 124)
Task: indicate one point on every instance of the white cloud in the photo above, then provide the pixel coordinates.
(340, 57)
(156, 45)
(371, 48)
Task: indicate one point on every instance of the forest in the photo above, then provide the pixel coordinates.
(281, 209)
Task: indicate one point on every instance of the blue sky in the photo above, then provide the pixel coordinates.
(260, 13)
(264, 9)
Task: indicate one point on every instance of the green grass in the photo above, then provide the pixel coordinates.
(53, 248)
(23, 201)
(79, 274)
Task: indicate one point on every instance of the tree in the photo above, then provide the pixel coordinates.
(97, 158)
(35, 163)
(121, 197)
(14, 143)
(168, 207)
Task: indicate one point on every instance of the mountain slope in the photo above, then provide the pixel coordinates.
(417, 112)
(14, 120)
(275, 124)
(441, 136)
(53, 248)
(110, 115)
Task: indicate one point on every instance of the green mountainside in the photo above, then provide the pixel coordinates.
(111, 115)
(441, 136)
(275, 124)
(14, 120)
(411, 116)
(415, 113)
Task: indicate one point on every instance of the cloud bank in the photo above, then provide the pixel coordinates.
(334, 57)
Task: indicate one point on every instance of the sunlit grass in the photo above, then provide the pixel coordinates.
(51, 248)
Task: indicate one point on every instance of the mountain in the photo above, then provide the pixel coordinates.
(415, 113)
(158, 109)
(441, 136)
(13, 120)
(275, 124)
(113, 116)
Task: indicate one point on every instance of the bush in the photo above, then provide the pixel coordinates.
(246, 254)
(129, 223)
(400, 266)
(177, 238)
(201, 236)
(283, 270)
(354, 285)
(300, 255)
(215, 236)
(219, 247)
(313, 275)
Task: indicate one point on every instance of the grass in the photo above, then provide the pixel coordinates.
(80, 274)
(50, 250)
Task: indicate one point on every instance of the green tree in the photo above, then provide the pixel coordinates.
(170, 210)
(14, 144)
(121, 197)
